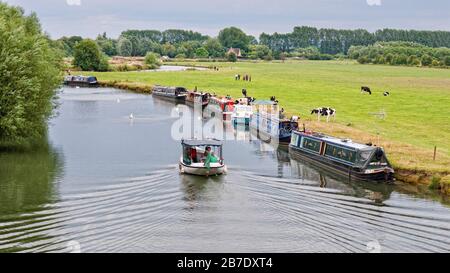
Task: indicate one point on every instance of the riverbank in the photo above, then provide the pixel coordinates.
(414, 120)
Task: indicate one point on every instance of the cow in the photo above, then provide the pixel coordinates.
(324, 111)
(366, 89)
(386, 94)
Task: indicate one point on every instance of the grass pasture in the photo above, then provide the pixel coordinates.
(417, 111)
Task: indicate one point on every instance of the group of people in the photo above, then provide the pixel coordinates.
(247, 78)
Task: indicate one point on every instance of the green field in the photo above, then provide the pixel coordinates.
(417, 111)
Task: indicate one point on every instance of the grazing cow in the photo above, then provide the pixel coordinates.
(386, 94)
(324, 111)
(366, 89)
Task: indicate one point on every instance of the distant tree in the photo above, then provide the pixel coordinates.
(234, 37)
(107, 45)
(259, 52)
(152, 60)
(427, 60)
(400, 59)
(88, 57)
(214, 48)
(231, 57)
(201, 53)
(124, 47)
(29, 76)
(169, 50)
(413, 60)
(446, 60)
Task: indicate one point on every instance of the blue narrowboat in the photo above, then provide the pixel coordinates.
(353, 160)
(174, 94)
(269, 122)
(81, 81)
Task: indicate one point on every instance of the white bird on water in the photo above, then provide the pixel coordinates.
(118, 100)
(131, 116)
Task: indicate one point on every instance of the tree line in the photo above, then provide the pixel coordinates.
(338, 41)
(401, 53)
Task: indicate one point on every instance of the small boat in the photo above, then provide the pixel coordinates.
(269, 122)
(221, 105)
(194, 154)
(175, 94)
(242, 114)
(353, 160)
(194, 97)
(81, 81)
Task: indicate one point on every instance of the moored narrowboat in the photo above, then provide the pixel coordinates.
(242, 114)
(175, 94)
(195, 97)
(81, 81)
(353, 160)
(269, 122)
(223, 106)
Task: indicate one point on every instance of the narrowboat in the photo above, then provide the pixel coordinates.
(202, 157)
(223, 106)
(81, 81)
(353, 160)
(195, 97)
(175, 94)
(269, 122)
(242, 114)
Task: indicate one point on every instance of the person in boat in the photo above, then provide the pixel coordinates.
(209, 158)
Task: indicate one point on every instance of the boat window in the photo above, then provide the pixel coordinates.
(312, 145)
(295, 139)
(340, 153)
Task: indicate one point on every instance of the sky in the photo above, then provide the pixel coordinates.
(88, 18)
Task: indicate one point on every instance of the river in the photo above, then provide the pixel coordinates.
(106, 183)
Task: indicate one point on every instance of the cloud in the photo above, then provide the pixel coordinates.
(374, 2)
(73, 2)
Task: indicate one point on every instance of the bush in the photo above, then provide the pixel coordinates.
(232, 57)
(152, 60)
(413, 60)
(446, 61)
(201, 53)
(180, 56)
(426, 60)
(88, 56)
(29, 76)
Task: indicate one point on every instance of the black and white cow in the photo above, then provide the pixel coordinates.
(325, 112)
(366, 89)
(386, 94)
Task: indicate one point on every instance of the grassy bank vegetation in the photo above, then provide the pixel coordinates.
(416, 112)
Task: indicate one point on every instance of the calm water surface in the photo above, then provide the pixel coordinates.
(105, 183)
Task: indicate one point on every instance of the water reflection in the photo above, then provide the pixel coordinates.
(28, 185)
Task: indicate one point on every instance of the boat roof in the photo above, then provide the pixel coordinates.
(342, 142)
(264, 102)
(203, 142)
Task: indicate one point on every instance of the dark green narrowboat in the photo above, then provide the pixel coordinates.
(346, 158)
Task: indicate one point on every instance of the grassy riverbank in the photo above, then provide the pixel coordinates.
(416, 114)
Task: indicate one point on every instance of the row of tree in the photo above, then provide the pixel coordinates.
(334, 41)
(401, 53)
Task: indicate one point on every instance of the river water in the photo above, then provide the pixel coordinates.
(108, 183)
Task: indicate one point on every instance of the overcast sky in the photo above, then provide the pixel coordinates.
(91, 17)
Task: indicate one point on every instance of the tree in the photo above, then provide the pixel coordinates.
(234, 37)
(88, 57)
(152, 60)
(124, 47)
(29, 76)
(427, 60)
(214, 48)
(231, 57)
(169, 50)
(259, 52)
(107, 45)
(446, 60)
(201, 53)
